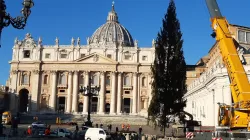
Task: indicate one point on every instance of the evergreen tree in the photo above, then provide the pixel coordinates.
(169, 69)
(176, 61)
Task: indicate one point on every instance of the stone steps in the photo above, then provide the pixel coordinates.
(107, 119)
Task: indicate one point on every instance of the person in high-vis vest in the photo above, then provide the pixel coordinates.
(123, 126)
(29, 131)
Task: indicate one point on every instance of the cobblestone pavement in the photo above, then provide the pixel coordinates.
(145, 129)
(23, 127)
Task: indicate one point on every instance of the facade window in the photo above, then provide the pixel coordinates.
(47, 55)
(107, 91)
(248, 37)
(126, 81)
(109, 56)
(45, 79)
(62, 79)
(244, 36)
(81, 80)
(193, 74)
(241, 36)
(144, 58)
(127, 57)
(26, 54)
(82, 55)
(127, 92)
(25, 79)
(108, 81)
(63, 55)
(143, 81)
(94, 80)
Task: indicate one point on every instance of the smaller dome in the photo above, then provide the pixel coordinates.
(112, 32)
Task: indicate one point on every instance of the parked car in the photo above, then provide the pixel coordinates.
(95, 134)
(38, 124)
(61, 132)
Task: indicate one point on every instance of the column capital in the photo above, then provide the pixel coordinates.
(113, 72)
(102, 73)
(120, 73)
(53, 72)
(86, 72)
(70, 72)
(14, 71)
(76, 72)
(35, 71)
(150, 74)
(135, 73)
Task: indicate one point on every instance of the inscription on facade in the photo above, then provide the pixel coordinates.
(127, 68)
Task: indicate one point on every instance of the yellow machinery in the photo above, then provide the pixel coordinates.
(237, 115)
(6, 117)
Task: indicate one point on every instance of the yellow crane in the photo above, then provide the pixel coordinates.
(237, 115)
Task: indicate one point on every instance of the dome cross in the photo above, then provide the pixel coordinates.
(113, 5)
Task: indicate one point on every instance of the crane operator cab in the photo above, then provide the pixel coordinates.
(224, 112)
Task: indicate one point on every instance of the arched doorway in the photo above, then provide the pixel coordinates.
(23, 100)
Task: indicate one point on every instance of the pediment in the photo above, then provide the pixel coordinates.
(96, 58)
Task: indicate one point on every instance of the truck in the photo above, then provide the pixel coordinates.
(233, 119)
(6, 117)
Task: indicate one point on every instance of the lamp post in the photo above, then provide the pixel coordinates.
(89, 92)
(18, 22)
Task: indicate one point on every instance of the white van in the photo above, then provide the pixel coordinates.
(95, 134)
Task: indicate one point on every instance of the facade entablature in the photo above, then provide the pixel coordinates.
(28, 50)
(207, 79)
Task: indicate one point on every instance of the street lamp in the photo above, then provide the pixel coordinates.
(18, 22)
(89, 92)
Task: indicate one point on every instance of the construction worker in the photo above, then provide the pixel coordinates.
(47, 131)
(123, 126)
(29, 131)
(128, 126)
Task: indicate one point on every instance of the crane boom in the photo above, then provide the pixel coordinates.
(237, 114)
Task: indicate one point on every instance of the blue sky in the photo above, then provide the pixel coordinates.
(143, 18)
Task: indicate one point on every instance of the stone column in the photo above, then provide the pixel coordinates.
(35, 89)
(86, 83)
(53, 91)
(75, 92)
(146, 103)
(149, 88)
(113, 93)
(134, 111)
(69, 96)
(14, 82)
(102, 93)
(119, 93)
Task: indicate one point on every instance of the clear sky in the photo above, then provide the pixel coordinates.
(143, 18)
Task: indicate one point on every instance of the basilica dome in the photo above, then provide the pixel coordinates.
(112, 32)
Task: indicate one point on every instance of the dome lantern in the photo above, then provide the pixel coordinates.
(112, 16)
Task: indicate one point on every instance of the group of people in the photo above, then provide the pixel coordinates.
(35, 131)
(124, 127)
(127, 127)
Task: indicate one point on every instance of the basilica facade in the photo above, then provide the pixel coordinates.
(48, 77)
